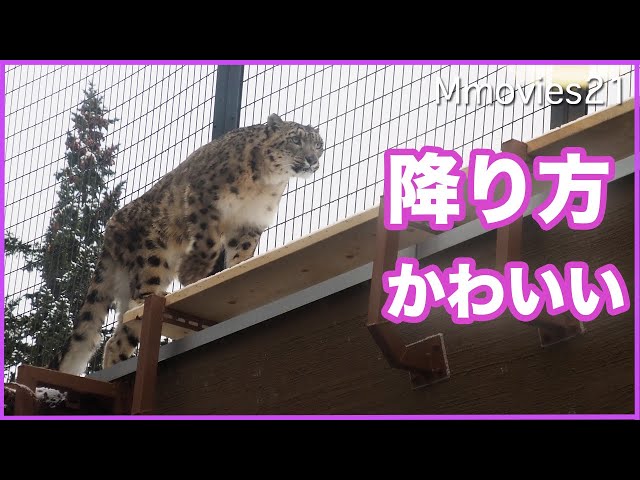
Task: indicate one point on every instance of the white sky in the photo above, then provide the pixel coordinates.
(165, 113)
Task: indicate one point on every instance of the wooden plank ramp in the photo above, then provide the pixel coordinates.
(262, 279)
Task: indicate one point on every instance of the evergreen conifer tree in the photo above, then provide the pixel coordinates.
(66, 257)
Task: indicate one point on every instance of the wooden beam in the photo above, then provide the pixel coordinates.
(509, 237)
(145, 386)
(34, 377)
(385, 258)
(426, 359)
(302, 263)
(25, 403)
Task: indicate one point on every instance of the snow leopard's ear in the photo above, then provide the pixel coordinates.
(274, 122)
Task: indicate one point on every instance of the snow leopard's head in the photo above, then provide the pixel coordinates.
(291, 148)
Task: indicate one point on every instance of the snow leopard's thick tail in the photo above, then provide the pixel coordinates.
(86, 335)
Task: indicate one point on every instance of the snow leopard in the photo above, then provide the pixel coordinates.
(204, 216)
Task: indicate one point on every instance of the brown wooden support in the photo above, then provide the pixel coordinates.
(146, 375)
(185, 320)
(34, 377)
(25, 402)
(509, 239)
(143, 398)
(426, 359)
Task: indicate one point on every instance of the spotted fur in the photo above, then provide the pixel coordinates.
(204, 216)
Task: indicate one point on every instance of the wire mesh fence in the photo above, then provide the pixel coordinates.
(362, 110)
(165, 112)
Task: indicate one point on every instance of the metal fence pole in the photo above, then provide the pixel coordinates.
(226, 110)
(564, 112)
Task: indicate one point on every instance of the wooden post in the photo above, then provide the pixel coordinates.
(426, 359)
(25, 404)
(146, 375)
(34, 377)
(509, 248)
(384, 259)
(509, 237)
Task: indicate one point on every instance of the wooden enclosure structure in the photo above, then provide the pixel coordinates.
(338, 356)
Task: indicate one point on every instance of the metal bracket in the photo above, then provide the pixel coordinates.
(434, 349)
(561, 329)
(185, 320)
(425, 359)
(420, 226)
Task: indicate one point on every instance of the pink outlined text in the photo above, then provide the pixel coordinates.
(574, 175)
(428, 186)
(414, 291)
(423, 186)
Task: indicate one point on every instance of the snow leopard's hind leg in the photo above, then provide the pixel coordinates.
(112, 348)
(86, 335)
(152, 273)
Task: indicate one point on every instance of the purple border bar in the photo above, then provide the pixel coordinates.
(630, 416)
(636, 242)
(635, 415)
(318, 62)
(2, 152)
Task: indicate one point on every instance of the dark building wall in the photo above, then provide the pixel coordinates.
(320, 359)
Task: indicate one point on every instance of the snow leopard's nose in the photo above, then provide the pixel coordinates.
(312, 160)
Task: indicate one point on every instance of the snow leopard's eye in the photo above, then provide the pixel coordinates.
(296, 140)
(318, 145)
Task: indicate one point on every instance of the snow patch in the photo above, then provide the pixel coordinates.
(50, 396)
